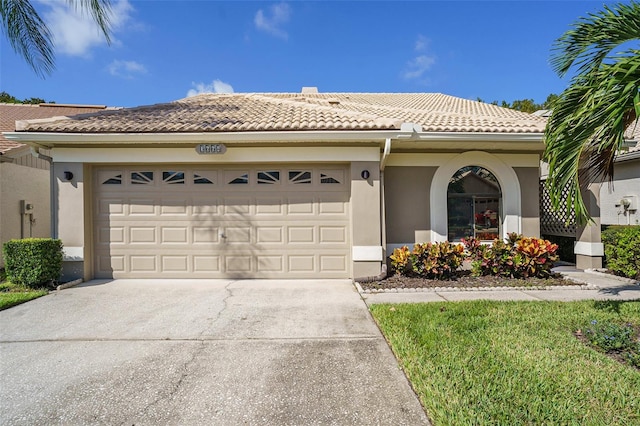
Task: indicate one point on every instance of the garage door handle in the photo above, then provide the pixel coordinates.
(222, 235)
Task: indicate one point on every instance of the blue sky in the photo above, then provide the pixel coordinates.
(166, 50)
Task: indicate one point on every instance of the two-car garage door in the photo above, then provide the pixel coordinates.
(272, 221)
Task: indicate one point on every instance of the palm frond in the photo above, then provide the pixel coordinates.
(586, 129)
(31, 38)
(592, 39)
(28, 34)
(100, 10)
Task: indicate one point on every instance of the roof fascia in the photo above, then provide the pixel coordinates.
(69, 139)
(50, 139)
(481, 137)
(627, 156)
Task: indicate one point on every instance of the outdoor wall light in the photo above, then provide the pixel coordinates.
(365, 174)
(68, 175)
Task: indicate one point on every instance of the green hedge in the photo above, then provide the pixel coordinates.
(622, 250)
(33, 262)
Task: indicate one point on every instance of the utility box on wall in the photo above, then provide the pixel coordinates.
(26, 207)
(629, 202)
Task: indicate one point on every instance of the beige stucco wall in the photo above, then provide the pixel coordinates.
(365, 219)
(529, 179)
(407, 203)
(69, 216)
(627, 183)
(17, 183)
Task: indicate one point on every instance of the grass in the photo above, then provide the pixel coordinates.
(13, 294)
(512, 363)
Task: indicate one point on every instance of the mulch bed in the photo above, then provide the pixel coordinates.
(464, 281)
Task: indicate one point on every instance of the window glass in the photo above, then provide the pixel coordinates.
(116, 180)
(324, 178)
(141, 178)
(299, 176)
(173, 177)
(268, 177)
(200, 180)
(240, 180)
(473, 204)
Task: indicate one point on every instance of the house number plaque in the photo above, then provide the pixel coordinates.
(211, 148)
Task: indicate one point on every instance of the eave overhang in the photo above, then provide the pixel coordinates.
(68, 139)
(409, 140)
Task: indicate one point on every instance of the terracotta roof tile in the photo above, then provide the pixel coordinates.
(301, 112)
(10, 113)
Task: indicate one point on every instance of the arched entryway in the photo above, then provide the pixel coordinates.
(511, 206)
(474, 203)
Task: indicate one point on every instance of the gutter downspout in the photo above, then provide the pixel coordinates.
(383, 163)
(35, 151)
(383, 221)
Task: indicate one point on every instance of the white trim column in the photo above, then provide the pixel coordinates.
(588, 249)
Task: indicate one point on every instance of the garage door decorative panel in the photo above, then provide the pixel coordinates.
(175, 263)
(174, 235)
(300, 234)
(269, 235)
(206, 264)
(218, 222)
(205, 235)
(142, 235)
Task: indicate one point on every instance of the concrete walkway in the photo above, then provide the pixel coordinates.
(589, 285)
(200, 352)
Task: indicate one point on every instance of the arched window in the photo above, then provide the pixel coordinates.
(473, 204)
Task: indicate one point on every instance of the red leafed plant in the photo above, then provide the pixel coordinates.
(429, 260)
(516, 257)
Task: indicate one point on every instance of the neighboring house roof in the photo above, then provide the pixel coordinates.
(632, 135)
(263, 112)
(10, 113)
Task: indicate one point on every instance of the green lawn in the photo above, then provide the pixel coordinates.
(512, 363)
(12, 294)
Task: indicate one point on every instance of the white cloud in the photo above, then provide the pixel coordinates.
(421, 43)
(216, 86)
(420, 64)
(126, 69)
(272, 23)
(75, 33)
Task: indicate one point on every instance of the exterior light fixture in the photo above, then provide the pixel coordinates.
(68, 175)
(365, 174)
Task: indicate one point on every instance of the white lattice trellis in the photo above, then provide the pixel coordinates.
(561, 222)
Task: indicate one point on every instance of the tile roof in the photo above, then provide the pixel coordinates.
(10, 113)
(246, 112)
(633, 134)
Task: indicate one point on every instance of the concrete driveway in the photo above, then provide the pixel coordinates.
(200, 352)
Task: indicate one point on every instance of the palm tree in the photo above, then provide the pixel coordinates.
(587, 125)
(31, 38)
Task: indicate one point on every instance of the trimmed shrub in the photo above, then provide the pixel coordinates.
(429, 260)
(401, 261)
(33, 262)
(622, 250)
(516, 257)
